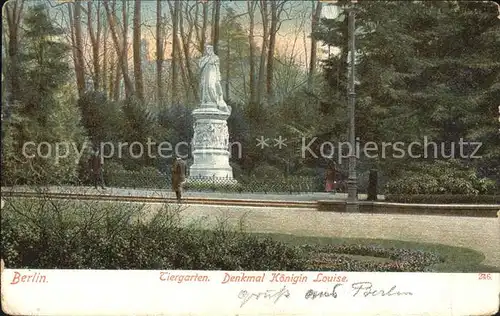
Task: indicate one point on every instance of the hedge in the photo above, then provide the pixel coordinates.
(401, 260)
(443, 199)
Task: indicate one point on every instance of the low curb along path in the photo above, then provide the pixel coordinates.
(167, 193)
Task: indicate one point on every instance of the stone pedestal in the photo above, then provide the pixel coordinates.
(210, 147)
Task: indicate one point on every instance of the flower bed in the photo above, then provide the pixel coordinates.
(333, 257)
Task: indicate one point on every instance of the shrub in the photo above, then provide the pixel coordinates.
(147, 177)
(280, 184)
(306, 172)
(47, 234)
(440, 177)
(216, 184)
(266, 171)
(443, 199)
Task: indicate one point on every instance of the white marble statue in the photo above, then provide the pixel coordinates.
(210, 142)
(210, 87)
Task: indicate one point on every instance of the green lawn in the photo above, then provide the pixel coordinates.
(456, 259)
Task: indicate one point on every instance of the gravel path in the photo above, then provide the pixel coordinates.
(481, 234)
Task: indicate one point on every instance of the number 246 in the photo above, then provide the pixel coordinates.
(484, 276)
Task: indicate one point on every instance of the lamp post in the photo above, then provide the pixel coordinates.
(352, 183)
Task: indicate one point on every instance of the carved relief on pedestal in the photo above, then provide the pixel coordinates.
(210, 135)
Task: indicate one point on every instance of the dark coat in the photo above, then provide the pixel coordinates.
(95, 164)
(178, 173)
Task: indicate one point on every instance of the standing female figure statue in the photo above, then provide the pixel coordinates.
(210, 87)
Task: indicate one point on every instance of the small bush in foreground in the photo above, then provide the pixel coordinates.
(50, 234)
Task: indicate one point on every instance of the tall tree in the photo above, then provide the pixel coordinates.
(316, 15)
(139, 85)
(186, 40)
(121, 49)
(175, 11)
(159, 52)
(125, 47)
(95, 40)
(251, 5)
(80, 63)
(46, 112)
(216, 25)
(105, 61)
(277, 8)
(233, 46)
(204, 26)
(13, 15)
(264, 10)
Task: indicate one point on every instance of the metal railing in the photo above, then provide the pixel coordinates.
(281, 184)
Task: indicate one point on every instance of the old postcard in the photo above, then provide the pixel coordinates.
(250, 157)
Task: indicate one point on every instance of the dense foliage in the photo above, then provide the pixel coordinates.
(449, 177)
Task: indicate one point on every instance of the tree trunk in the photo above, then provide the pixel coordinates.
(116, 83)
(120, 50)
(263, 52)
(111, 78)
(228, 67)
(139, 85)
(243, 77)
(185, 80)
(94, 41)
(185, 39)
(105, 57)
(251, 12)
(216, 26)
(174, 62)
(13, 14)
(97, 52)
(204, 27)
(80, 64)
(270, 52)
(73, 41)
(312, 63)
(159, 53)
(128, 88)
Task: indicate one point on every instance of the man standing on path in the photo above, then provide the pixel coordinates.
(178, 177)
(96, 169)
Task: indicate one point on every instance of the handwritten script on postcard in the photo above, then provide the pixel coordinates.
(128, 292)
